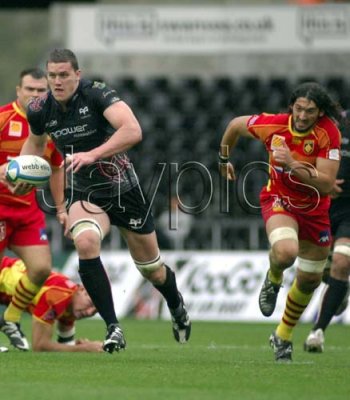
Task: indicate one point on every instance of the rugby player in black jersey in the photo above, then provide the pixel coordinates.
(335, 296)
(93, 128)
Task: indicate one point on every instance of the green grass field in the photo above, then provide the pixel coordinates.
(222, 361)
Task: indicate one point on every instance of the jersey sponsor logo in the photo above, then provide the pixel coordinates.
(15, 128)
(51, 123)
(70, 130)
(2, 230)
(105, 94)
(308, 146)
(83, 110)
(50, 315)
(43, 234)
(324, 237)
(334, 154)
(134, 223)
(99, 85)
(277, 142)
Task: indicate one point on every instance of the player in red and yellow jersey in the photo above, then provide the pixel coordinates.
(304, 154)
(22, 223)
(59, 300)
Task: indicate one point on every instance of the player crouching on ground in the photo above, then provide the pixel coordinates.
(59, 300)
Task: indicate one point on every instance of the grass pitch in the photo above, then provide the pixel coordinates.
(221, 361)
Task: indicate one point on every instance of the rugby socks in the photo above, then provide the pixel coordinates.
(275, 275)
(25, 291)
(275, 278)
(96, 282)
(295, 306)
(169, 289)
(333, 296)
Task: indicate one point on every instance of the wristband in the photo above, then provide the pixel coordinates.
(223, 159)
(66, 337)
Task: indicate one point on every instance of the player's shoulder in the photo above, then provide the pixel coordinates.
(87, 85)
(269, 119)
(327, 125)
(99, 90)
(9, 107)
(59, 280)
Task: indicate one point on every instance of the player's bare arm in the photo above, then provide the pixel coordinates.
(128, 133)
(57, 191)
(322, 176)
(236, 128)
(34, 144)
(42, 340)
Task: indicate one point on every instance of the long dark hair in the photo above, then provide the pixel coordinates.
(318, 94)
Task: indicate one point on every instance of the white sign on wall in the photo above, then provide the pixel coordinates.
(217, 286)
(207, 29)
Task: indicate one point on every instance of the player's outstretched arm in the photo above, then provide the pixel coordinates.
(42, 340)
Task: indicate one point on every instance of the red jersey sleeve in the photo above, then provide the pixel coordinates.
(328, 138)
(262, 126)
(52, 155)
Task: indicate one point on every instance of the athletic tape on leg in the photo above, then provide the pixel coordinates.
(86, 224)
(281, 234)
(342, 248)
(149, 266)
(311, 266)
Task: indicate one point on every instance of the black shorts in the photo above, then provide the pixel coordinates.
(130, 210)
(340, 218)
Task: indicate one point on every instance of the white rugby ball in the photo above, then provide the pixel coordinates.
(30, 169)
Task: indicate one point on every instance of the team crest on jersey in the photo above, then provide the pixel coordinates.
(309, 146)
(277, 205)
(15, 128)
(2, 230)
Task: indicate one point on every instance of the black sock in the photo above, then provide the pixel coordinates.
(332, 299)
(96, 283)
(169, 289)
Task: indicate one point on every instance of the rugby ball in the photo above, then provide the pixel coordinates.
(28, 169)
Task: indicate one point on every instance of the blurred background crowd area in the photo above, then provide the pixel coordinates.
(183, 103)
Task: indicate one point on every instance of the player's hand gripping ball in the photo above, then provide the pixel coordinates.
(30, 169)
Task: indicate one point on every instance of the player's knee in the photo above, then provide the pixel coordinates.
(340, 268)
(87, 236)
(40, 274)
(308, 282)
(152, 269)
(284, 243)
(341, 253)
